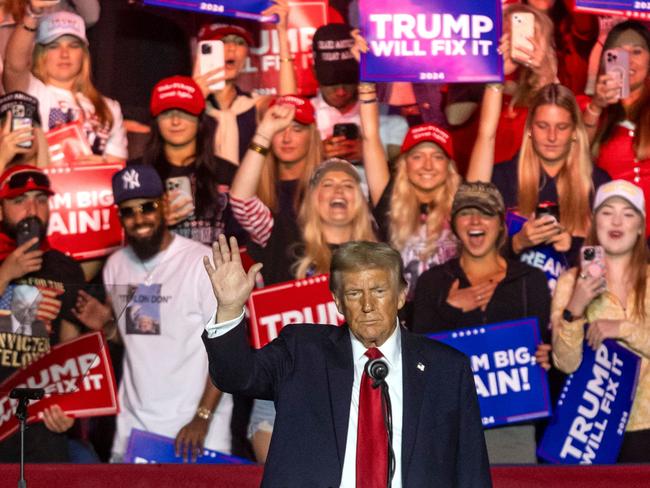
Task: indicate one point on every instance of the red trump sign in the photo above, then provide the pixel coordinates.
(294, 302)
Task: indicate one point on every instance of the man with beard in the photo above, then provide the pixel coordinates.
(159, 275)
(38, 289)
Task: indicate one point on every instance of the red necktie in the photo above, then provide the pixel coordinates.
(372, 437)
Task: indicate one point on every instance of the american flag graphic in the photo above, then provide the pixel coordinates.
(58, 117)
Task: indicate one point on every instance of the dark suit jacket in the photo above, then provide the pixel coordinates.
(308, 371)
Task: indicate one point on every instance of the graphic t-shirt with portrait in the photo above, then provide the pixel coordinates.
(161, 305)
(58, 107)
(31, 309)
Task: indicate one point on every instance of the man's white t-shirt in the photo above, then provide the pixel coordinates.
(58, 106)
(161, 306)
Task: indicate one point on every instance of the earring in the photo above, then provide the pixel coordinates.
(529, 134)
(574, 138)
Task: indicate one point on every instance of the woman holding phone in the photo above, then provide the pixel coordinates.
(180, 149)
(553, 165)
(237, 112)
(612, 303)
(620, 126)
(48, 58)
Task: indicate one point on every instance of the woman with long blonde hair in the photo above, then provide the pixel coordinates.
(412, 208)
(611, 302)
(324, 218)
(553, 165)
(48, 58)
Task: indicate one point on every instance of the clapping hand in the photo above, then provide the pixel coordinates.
(230, 283)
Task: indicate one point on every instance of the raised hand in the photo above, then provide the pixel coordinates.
(207, 79)
(230, 283)
(281, 9)
(178, 207)
(276, 118)
(21, 262)
(10, 141)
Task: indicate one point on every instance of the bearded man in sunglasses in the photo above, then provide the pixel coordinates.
(38, 289)
(159, 300)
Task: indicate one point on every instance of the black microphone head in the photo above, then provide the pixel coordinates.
(377, 369)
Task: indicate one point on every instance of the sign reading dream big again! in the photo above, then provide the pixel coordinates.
(431, 40)
(510, 385)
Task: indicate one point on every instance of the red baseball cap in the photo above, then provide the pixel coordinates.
(304, 109)
(22, 178)
(177, 92)
(428, 133)
(216, 32)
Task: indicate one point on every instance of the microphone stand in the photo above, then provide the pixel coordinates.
(24, 395)
(387, 410)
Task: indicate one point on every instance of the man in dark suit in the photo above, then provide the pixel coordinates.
(315, 374)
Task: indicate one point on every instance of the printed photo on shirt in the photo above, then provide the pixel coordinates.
(143, 309)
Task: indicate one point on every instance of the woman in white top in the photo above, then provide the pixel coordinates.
(48, 58)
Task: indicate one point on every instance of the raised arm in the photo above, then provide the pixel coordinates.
(248, 175)
(375, 161)
(18, 55)
(481, 162)
(287, 82)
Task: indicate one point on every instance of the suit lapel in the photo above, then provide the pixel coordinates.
(413, 378)
(340, 376)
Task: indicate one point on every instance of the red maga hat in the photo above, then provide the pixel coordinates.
(428, 133)
(177, 92)
(216, 32)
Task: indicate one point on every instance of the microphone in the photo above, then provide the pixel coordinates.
(377, 370)
(27, 393)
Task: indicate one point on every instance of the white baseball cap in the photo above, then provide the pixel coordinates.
(622, 189)
(58, 24)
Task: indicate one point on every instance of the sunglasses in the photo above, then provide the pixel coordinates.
(146, 208)
(21, 180)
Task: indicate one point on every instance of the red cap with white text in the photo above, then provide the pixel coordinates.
(428, 133)
(177, 92)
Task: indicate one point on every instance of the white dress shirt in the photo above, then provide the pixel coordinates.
(392, 351)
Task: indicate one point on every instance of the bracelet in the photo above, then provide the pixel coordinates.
(262, 136)
(29, 29)
(592, 111)
(31, 13)
(497, 87)
(204, 413)
(372, 100)
(259, 149)
(286, 60)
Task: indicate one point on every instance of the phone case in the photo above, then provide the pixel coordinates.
(19, 123)
(26, 230)
(617, 62)
(522, 26)
(211, 56)
(592, 260)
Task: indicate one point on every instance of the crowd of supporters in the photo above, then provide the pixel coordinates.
(436, 171)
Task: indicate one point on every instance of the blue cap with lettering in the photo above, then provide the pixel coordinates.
(136, 181)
